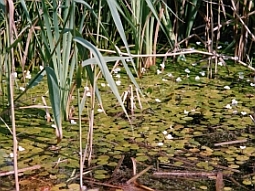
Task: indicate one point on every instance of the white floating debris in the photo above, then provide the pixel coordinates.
(220, 63)
(252, 84)
(198, 43)
(170, 75)
(219, 47)
(202, 73)
(226, 87)
(73, 122)
(143, 70)
(54, 126)
(20, 148)
(169, 136)
(86, 88)
(22, 89)
(116, 70)
(128, 59)
(178, 79)
(103, 84)
(118, 76)
(164, 132)
(187, 70)
(11, 155)
(41, 67)
(242, 147)
(234, 102)
(235, 112)
(14, 74)
(241, 75)
(197, 78)
(162, 66)
(118, 83)
(228, 106)
(186, 112)
(158, 72)
(160, 144)
(243, 113)
(164, 80)
(100, 110)
(88, 94)
(157, 100)
(28, 75)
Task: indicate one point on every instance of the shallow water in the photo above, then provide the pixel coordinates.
(178, 128)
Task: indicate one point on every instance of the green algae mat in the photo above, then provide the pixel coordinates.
(188, 123)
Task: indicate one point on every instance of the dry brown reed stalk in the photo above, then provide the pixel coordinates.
(10, 16)
(241, 49)
(154, 51)
(218, 34)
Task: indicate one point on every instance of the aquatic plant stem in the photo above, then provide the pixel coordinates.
(80, 138)
(11, 95)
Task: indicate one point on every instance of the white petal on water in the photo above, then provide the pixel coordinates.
(235, 112)
(164, 132)
(73, 122)
(14, 74)
(158, 72)
(178, 79)
(228, 106)
(197, 78)
(20, 148)
(243, 112)
(202, 73)
(100, 110)
(116, 70)
(157, 100)
(234, 102)
(169, 136)
(118, 83)
(170, 75)
(22, 88)
(160, 144)
(226, 87)
(187, 70)
(242, 147)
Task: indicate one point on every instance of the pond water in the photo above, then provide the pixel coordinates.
(188, 123)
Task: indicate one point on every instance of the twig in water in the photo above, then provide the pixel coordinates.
(20, 170)
(230, 142)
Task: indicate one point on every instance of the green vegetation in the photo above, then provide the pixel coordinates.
(89, 65)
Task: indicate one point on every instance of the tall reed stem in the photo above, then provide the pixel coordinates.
(11, 82)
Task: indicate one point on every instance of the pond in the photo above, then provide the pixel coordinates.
(191, 126)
